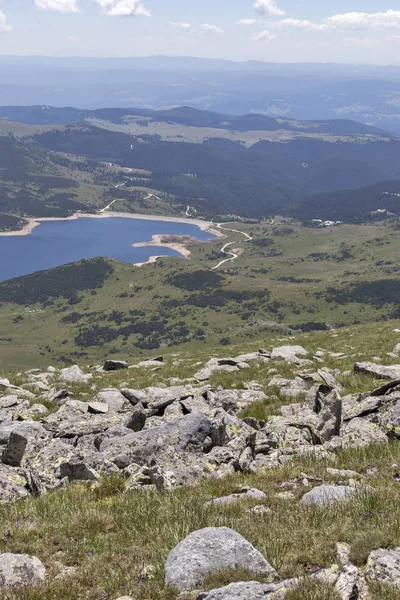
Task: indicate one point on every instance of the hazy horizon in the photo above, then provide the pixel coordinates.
(283, 31)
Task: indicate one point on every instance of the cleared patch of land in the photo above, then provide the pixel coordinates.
(175, 132)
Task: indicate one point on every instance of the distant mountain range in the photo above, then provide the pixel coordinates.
(312, 176)
(184, 115)
(369, 94)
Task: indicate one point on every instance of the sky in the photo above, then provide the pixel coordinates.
(352, 31)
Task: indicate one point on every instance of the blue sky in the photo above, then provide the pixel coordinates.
(358, 31)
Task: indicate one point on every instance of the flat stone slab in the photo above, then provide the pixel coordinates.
(379, 371)
(328, 494)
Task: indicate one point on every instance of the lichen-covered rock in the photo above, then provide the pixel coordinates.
(12, 485)
(21, 570)
(209, 550)
(378, 371)
(357, 433)
(384, 566)
(185, 435)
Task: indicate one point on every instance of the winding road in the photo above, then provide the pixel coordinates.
(221, 226)
(232, 255)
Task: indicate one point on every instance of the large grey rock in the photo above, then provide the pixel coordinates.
(12, 485)
(328, 494)
(357, 433)
(361, 406)
(384, 566)
(20, 569)
(15, 449)
(391, 421)
(247, 590)
(76, 470)
(74, 375)
(289, 353)
(183, 435)
(209, 550)
(351, 585)
(378, 371)
(135, 396)
(30, 429)
(112, 397)
(330, 416)
(115, 365)
(244, 494)
(137, 418)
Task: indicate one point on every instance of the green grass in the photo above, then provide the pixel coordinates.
(118, 542)
(41, 337)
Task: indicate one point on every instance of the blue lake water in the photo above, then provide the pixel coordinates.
(55, 243)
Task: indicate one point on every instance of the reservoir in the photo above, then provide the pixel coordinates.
(55, 243)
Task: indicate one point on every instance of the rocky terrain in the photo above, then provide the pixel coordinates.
(172, 436)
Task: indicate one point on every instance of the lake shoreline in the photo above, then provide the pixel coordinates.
(33, 222)
(158, 240)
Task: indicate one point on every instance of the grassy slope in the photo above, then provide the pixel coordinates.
(373, 255)
(104, 543)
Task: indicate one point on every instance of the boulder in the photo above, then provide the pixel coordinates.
(357, 433)
(383, 566)
(15, 449)
(137, 418)
(76, 470)
(289, 353)
(247, 590)
(135, 396)
(244, 494)
(351, 585)
(58, 395)
(12, 486)
(186, 434)
(328, 494)
(330, 416)
(98, 408)
(74, 375)
(210, 550)
(391, 421)
(20, 569)
(112, 397)
(31, 429)
(378, 371)
(115, 365)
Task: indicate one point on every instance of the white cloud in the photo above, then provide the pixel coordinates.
(184, 26)
(211, 28)
(268, 7)
(65, 6)
(72, 38)
(264, 36)
(358, 20)
(297, 24)
(4, 28)
(246, 22)
(123, 8)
